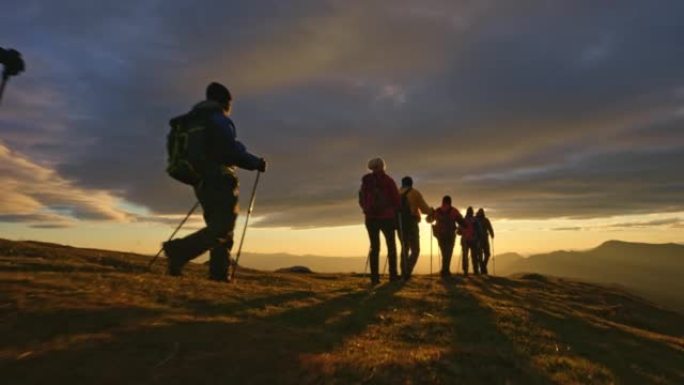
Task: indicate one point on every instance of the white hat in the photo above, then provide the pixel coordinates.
(376, 164)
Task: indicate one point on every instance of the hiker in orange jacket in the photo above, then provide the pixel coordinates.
(411, 208)
(446, 219)
(469, 242)
(379, 200)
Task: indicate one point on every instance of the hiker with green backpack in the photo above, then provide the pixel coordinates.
(379, 200)
(204, 153)
(412, 206)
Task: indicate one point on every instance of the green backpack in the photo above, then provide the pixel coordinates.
(186, 148)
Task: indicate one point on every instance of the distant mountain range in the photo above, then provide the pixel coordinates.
(655, 271)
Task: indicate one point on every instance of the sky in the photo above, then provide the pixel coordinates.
(563, 119)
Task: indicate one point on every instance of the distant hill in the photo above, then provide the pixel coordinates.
(653, 270)
(272, 262)
(85, 316)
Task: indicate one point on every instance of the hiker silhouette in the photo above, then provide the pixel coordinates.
(379, 200)
(209, 165)
(412, 206)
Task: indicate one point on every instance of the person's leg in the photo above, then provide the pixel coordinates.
(447, 252)
(441, 241)
(403, 258)
(474, 256)
(220, 219)
(486, 254)
(373, 228)
(414, 246)
(388, 231)
(212, 195)
(464, 259)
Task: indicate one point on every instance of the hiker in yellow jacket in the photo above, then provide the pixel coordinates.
(412, 206)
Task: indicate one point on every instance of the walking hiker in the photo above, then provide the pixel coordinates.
(204, 152)
(446, 218)
(469, 242)
(486, 228)
(379, 200)
(412, 206)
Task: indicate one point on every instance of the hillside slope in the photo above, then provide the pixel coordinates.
(96, 317)
(651, 270)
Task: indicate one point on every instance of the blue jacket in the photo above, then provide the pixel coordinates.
(222, 146)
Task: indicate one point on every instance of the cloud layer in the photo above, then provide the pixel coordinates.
(534, 109)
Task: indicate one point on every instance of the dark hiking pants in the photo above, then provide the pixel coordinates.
(410, 246)
(387, 227)
(446, 246)
(470, 247)
(485, 253)
(219, 197)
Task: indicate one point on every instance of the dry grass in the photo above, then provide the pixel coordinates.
(96, 317)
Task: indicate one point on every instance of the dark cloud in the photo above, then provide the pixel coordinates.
(533, 110)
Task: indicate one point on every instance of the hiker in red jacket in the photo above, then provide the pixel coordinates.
(469, 242)
(444, 229)
(379, 200)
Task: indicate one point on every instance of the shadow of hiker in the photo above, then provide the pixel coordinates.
(204, 350)
(480, 352)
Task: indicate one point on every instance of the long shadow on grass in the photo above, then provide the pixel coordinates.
(481, 354)
(265, 350)
(632, 357)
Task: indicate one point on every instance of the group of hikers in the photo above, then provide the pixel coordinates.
(203, 152)
(389, 210)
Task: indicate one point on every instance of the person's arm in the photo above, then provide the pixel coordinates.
(490, 228)
(422, 205)
(394, 196)
(231, 151)
(456, 215)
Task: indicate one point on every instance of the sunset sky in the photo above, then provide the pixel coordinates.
(564, 119)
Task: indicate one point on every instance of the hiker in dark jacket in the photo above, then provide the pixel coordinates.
(469, 242)
(487, 231)
(412, 206)
(218, 190)
(379, 200)
(446, 219)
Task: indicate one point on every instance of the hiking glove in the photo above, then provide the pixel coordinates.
(262, 165)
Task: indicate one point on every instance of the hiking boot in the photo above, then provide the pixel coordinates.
(174, 258)
(394, 278)
(445, 274)
(375, 281)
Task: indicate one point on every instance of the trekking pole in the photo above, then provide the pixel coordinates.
(431, 242)
(493, 258)
(244, 230)
(192, 210)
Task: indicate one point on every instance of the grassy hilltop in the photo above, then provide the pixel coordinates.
(79, 316)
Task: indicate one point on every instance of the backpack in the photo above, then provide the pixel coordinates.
(444, 225)
(186, 148)
(468, 231)
(377, 201)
